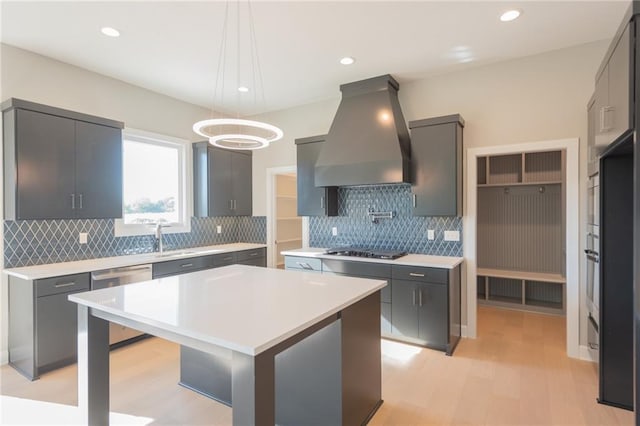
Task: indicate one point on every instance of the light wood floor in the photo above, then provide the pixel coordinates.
(515, 373)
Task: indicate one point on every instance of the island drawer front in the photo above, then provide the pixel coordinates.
(415, 273)
(180, 266)
(303, 263)
(224, 259)
(361, 269)
(250, 254)
(63, 284)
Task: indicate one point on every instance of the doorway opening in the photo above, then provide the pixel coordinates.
(540, 181)
(284, 226)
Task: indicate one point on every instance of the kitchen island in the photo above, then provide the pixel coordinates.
(305, 349)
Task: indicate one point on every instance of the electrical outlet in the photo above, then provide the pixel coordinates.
(219, 229)
(83, 237)
(334, 231)
(452, 235)
(431, 234)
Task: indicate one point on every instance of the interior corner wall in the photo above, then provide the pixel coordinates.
(536, 98)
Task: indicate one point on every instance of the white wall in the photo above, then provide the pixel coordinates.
(36, 78)
(537, 98)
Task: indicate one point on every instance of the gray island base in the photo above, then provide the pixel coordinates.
(319, 363)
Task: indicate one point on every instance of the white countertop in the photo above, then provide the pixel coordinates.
(242, 308)
(446, 262)
(66, 268)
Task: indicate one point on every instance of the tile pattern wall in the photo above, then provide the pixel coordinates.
(35, 242)
(404, 232)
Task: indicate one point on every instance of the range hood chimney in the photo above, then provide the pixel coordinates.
(368, 142)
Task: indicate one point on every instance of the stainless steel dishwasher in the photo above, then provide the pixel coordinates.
(118, 334)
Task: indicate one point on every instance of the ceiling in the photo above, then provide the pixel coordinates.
(173, 47)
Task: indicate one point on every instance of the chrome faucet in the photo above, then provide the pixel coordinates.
(159, 238)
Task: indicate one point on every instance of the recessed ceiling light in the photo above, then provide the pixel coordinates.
(111, 32)
(510, 15)
(347, 60)
(243, 89)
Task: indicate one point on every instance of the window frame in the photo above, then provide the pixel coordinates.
(185, 184)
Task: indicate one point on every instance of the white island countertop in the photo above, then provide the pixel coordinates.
(76, 267)
(243, 308)
(423, 260)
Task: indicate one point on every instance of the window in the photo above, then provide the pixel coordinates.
(156, 184)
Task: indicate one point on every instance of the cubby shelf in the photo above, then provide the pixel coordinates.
(524, 290)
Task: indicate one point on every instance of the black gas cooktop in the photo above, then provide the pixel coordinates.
(364, 252)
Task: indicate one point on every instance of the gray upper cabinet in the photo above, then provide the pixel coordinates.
(60, 164)
(313, 200)
(436, 166)
(222, 181)
(614, 94)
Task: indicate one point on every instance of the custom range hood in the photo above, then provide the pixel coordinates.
(368, 142)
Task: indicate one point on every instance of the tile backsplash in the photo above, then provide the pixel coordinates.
(34, 242)
(404, 232)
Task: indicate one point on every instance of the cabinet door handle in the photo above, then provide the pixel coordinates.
(234, 204)
(419, 297)
(322, 202)
(415, 274)
(69, 284)
(186, 265)
(80, 196)
(414, 297)
(230, 204)
(415, 200)
(73, 201)
(304, 265)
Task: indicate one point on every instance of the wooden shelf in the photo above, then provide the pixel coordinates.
(286, 197)
(544, 304)
(292, 240)
(489, 185)
(290, 218)
(522, 275)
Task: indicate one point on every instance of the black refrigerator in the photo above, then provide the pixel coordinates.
(616, 273)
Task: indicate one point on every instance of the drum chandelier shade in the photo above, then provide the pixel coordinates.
(237, 133)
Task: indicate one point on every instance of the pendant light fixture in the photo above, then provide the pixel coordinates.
(237, 133)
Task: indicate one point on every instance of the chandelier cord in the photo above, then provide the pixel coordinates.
(221, 56)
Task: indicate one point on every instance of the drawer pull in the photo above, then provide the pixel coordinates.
(228, 258)
(186, 265)
(415, 274)
(253, 254)
(304, 265)
(69, 284)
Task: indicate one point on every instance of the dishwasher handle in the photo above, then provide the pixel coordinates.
(120, 272)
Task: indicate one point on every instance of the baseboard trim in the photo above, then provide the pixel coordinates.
(463, 331)
(4, 357)
(585, 355)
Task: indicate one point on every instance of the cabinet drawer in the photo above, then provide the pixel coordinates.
(250, 254)
(415, 273)
(63, 284)
(304, 263)
(361, 269)
(174, 267)
(259, 261)
(224, 259)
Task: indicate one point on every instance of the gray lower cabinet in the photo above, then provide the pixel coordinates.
(60, 164)
(436, 166)
(221, 181)
(313, 200)
(419, 305)
(426, 306)
(43, 324)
